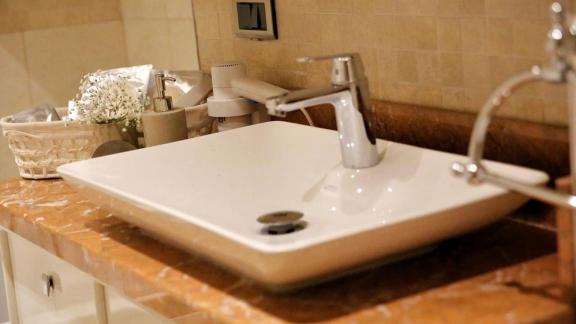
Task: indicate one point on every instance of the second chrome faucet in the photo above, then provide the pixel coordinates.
(560, 69)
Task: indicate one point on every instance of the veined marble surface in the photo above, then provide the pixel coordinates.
(504, 273)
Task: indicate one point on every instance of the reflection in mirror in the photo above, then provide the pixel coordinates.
(46, 47)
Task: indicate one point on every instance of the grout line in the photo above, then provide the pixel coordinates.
(27, 66)
(124, 39)
(196, 37)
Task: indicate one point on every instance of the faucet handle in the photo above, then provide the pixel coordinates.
(557, 13)
(346, 68)
(560, 43)
(558, 30)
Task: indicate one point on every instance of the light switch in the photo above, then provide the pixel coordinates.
(256, 19)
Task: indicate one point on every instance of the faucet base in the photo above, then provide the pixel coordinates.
(357, 150)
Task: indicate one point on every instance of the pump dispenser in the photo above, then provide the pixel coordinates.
(164, 124)
(162, 102)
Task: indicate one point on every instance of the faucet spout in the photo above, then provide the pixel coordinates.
(351, 99)
(299, 99)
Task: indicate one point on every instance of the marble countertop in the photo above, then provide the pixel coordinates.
(504, 273)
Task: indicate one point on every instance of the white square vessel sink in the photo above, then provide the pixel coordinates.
(205, 195)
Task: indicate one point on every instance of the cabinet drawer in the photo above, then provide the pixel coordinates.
(71, 298)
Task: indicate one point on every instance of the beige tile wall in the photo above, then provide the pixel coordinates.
(58, 57)
(443, 53)
(14, 90)
(23, 15)
(160, 32)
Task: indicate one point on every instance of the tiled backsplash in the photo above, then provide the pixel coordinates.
(442, 53)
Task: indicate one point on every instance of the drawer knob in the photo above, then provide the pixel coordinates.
(47, 284)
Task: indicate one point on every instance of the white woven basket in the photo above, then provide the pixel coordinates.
(40, 147)
(198, 121)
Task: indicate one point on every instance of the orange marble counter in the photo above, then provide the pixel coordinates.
(504, 273)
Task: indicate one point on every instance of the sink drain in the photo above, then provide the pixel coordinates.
(283, 222)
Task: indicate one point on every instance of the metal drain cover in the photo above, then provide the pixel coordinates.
(282, 222)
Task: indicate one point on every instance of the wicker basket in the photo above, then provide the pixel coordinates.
(40, 147)
(198, 121)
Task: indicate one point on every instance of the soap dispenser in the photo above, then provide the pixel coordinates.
(164, 124)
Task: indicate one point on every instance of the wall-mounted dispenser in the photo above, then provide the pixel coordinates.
(255, 19)
(236, 96)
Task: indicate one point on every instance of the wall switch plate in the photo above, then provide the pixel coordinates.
(255, 19)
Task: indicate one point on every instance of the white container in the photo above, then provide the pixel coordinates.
(40, 147)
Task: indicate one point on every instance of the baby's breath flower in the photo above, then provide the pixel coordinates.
(106, 98)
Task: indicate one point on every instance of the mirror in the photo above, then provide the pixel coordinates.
(47, 46)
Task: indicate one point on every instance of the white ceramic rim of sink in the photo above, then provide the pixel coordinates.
(67, 172)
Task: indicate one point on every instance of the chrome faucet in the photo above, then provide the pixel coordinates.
(350, 97)
(561, 68)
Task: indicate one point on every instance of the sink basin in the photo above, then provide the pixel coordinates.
(206, 194)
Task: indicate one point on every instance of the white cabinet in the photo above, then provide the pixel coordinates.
(123, 311)
(71, 300)
(73, 296)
